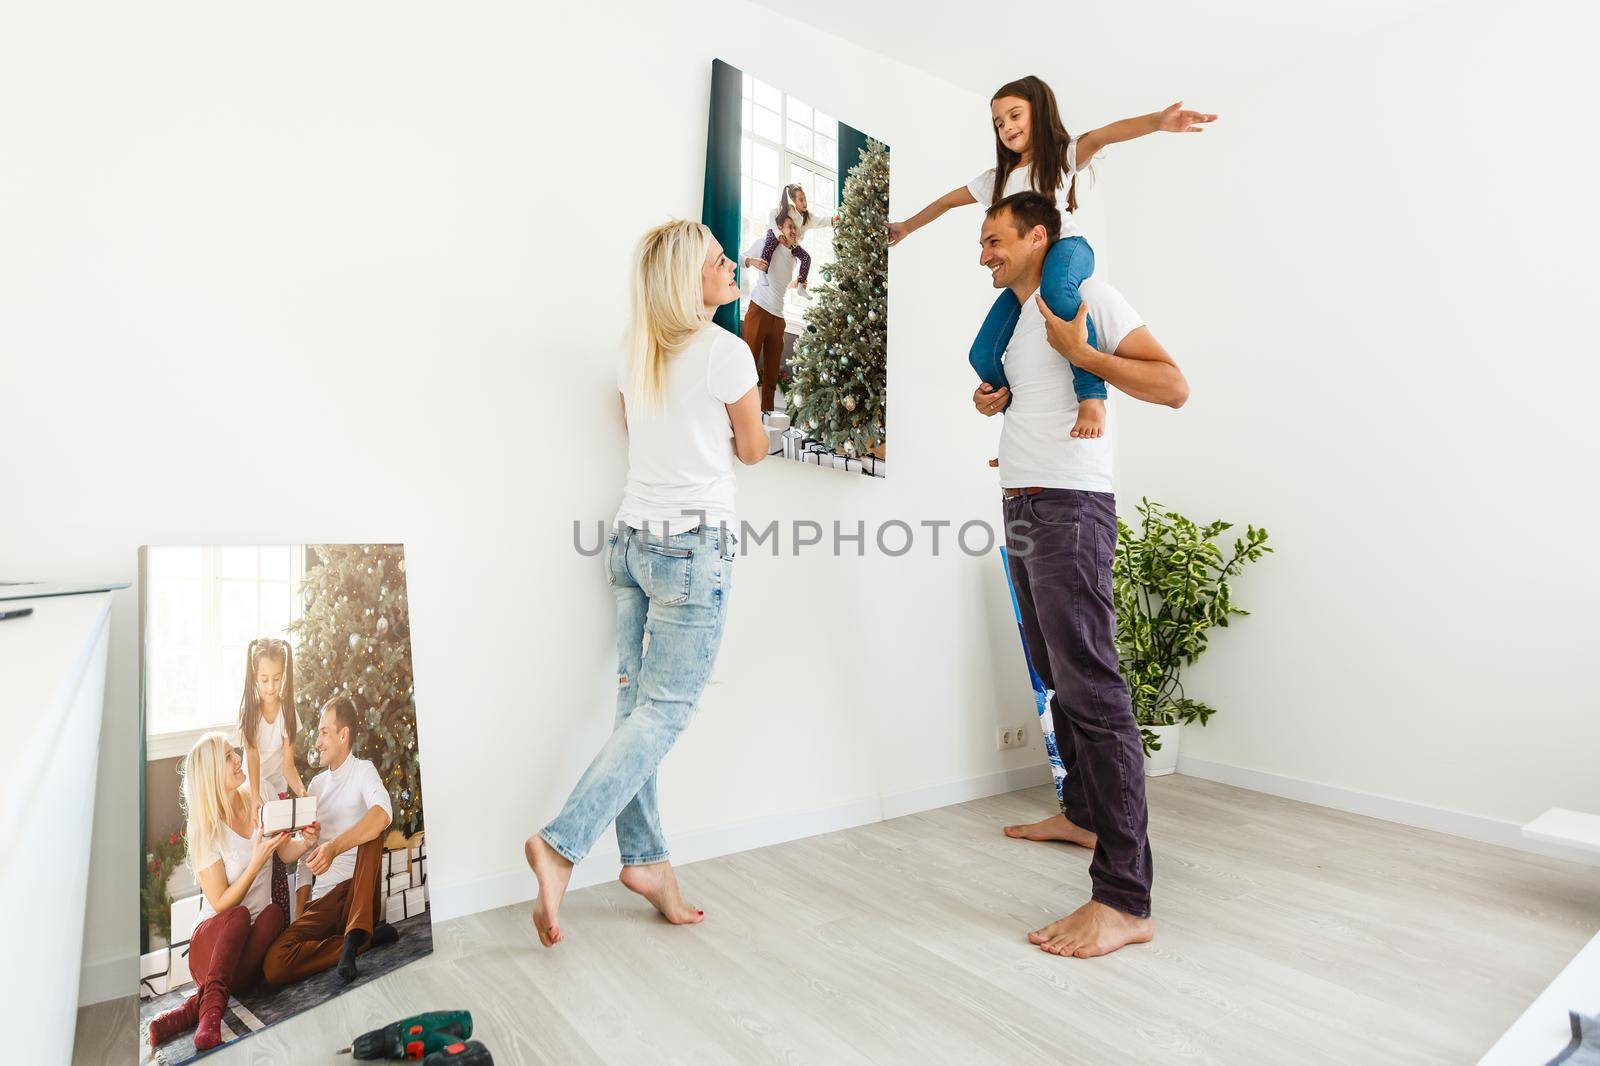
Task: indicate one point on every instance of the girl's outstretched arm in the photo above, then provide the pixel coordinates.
(1175, 119)
(960, 196)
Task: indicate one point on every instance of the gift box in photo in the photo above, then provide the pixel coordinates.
(178, 973)
(288, 815)
(153, 970)
(403, 905)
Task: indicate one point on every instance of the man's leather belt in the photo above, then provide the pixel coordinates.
(1031, 490)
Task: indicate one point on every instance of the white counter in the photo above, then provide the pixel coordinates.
(52, 687)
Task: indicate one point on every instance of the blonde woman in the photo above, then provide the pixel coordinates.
(691, 403)
(231, 860)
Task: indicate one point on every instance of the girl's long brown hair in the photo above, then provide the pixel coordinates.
(1047, 141)
(250, 703)
(784, 204)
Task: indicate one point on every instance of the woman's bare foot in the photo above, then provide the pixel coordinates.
(658, 884)
(553, 870)
(1091, 421)
(1055, 827)
(1093, 929)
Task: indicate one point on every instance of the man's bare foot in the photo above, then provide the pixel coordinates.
(1093, 929)
(658, 884)
(553, 870)
(1091, 421)
(1055, 827)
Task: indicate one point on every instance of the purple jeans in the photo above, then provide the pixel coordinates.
(1063, 584)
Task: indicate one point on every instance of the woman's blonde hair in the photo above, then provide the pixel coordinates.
(205, 796)
(668, 303)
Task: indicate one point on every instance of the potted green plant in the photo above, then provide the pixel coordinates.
(1170, 584)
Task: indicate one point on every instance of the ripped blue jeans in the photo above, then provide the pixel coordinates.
(672, 598)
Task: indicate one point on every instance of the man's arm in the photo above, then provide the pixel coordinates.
(374, 822)
(1139, 367)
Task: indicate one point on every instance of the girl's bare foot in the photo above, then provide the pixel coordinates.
(1091, 421)
(553, 870)
(658, 884)
(1093, 929)
(1055, 827)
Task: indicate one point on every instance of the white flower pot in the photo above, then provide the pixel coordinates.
(1165, 761)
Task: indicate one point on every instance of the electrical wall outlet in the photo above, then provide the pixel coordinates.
(1015, 736)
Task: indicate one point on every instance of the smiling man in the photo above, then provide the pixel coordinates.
(1061, 534)
(344, 916)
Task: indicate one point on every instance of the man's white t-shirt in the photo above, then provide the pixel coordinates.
(235, 855)
(1036, 445)
(770, 284)
(343, 798)
(680, 457)
(1021, 180)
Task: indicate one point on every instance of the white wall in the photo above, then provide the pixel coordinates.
(1378, 270)
(356, 272)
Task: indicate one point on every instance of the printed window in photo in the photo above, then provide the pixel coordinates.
(786, 141)
(205, 606)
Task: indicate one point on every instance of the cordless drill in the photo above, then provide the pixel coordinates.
(461, 1053)
(413, 1037)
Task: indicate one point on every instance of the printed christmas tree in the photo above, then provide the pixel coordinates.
(354, 639)
(839, 371)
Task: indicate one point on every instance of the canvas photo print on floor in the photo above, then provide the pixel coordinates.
(285, 850)
(800, 202)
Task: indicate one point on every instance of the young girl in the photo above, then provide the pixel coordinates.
(1034, 151)
(267, 721)
(792, 204)
(266, 731)
(238, 919)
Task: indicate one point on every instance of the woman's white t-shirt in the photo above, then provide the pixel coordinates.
(235, 856)
(269, 741)
(680, 456)
(1021, 180)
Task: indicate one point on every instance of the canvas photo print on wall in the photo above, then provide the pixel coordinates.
(282, 829)
(800, 201)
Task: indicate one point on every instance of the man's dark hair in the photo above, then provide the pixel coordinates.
(344, 715)
(1030, 209)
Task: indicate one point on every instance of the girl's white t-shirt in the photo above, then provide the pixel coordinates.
(269, 741)
(680, 456)
(235, 856)
(1021, 180)
(802, 226)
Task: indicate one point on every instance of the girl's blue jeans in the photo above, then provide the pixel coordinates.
(1069, 261)
(672, 597)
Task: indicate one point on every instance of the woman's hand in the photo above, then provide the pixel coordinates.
(266, 847)
(897, 233)
(758, 264)
(1176, 119)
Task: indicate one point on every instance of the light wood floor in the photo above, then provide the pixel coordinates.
(1286, 933)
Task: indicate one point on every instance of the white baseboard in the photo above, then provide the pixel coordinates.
(932, 797)
(108, 979)
(1406, 812)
